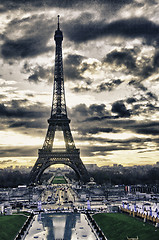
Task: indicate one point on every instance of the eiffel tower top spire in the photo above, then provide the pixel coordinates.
(58, 24)
(58, 110)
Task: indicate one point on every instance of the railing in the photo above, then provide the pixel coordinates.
(60, 150)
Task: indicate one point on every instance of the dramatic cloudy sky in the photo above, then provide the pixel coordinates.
(111, 69)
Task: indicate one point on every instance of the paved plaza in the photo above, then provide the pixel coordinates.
(64, 226)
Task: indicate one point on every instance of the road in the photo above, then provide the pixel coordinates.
(62, 196)
(58, 196)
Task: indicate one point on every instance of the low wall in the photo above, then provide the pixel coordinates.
(24, 228)
(96, 227)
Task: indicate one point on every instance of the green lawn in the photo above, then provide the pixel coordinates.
(117, 226)
(10, 225)
(59, 180)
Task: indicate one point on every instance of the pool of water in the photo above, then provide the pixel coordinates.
(61, 226)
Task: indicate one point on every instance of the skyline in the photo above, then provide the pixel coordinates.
(111, 63)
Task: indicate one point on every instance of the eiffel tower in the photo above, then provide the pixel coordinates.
(58, 121)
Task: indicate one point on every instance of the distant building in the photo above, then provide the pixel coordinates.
(91, 167)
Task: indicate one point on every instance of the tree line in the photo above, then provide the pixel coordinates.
(13, 178)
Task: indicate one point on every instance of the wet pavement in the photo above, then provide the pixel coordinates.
(61, 226)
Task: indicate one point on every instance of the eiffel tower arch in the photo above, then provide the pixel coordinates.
(58, 121)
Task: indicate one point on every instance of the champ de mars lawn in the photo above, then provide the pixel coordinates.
(59, 180)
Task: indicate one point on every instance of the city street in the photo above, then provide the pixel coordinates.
(62, 197)
(58, 196)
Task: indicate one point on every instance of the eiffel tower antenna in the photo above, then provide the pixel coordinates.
(58, 23)
(58, 121)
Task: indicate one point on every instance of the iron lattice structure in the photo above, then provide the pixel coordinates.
(58, 121)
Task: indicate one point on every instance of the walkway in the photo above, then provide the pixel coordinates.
(63, 226)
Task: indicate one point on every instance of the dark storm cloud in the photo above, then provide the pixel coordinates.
(16, 110)
(86, 119)
(138, 141)
(34, 78)
(119, 108)
(74, 69)
(30, 45)
(85, 66)
(92, 129)
(117, 144)
(27, 5)
(141, 127)
(118, 126)
(36, 33)
(156, 60)
(142, 107)
(18, 151)
(152, 96)
(23, 48)
(121, 58)
(28, 124)
(146, 128)
(149, 67)
(95, 109)
(147, 125)
(130, 140)
(38, 73)
(147, 71)
(130, 28)
(148, 131)
(71, 67)
(103, 150)
(25, 117)
(73, 59)
(152, 108)
(90, 124)
(99, 129)
(138, 84)
(96, 118)
(81, 111)
(145, 102)
(98, 113)
(108, 86)
(131, 100)
(127, 59)
(143, 94)
(78, 89)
